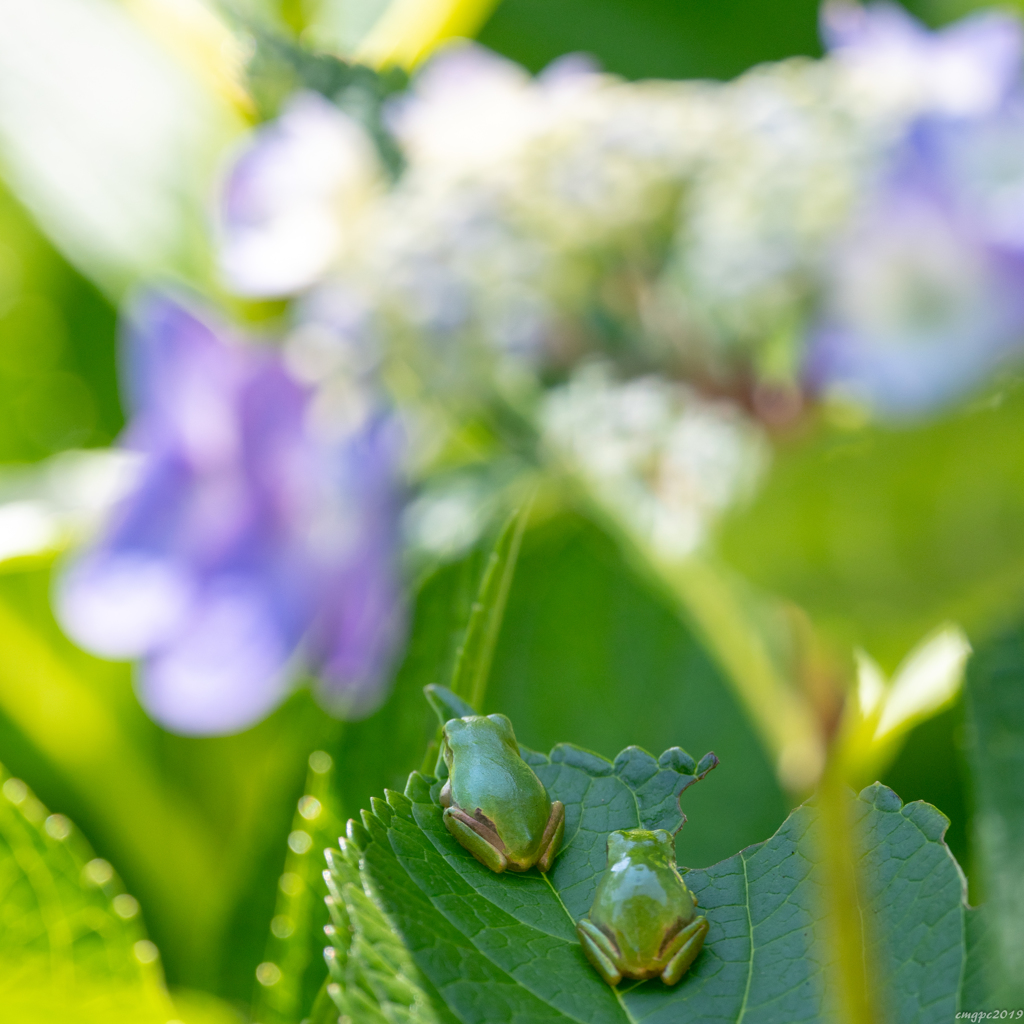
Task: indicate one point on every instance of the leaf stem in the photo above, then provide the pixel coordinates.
(855, 1001)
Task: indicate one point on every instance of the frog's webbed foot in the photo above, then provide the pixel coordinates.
(445, 796)
(599, 950)
(481, 840)
(551, 841)
(682, 949)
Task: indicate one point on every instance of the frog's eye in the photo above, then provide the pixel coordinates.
(618, 845)
(504, 724)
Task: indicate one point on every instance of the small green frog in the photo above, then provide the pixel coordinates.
(495, 805)
(643, 922)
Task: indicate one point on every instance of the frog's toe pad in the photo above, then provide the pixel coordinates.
(599, 950)
(690, 942)
(551, 841)
(455, 820)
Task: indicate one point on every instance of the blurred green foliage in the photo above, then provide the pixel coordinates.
(676, 39)
(652, 39)
(880, 533)
(995, 741)
(195, 827)
(58, 383)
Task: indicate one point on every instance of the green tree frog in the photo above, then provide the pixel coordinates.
(643, 922)
(494, 804)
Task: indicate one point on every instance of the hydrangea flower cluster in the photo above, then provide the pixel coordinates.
(642, 278)
(255, 546)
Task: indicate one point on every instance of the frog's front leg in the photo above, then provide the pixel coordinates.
(476, 837)
(552, 838)
(683, 949)
(599, 950)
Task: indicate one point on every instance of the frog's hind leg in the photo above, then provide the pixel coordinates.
(683, 948)
(475, 837)
(552, 838)
(599, 950)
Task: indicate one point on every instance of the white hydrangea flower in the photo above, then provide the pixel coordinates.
(664, 462)
(782, 170)
(294, 198)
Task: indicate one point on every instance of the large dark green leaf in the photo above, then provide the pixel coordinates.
(591, 650)
(648, 38)
(503, 948)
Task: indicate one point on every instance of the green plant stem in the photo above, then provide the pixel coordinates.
(854, 1000)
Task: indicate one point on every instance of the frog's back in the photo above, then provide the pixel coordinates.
(638, 902)
(491, 777)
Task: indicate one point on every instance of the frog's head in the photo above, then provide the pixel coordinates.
(639, 846)
(477, 731)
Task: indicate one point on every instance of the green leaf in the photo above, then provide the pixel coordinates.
(995, 741)
(503, 947)
(880, 534)
(292, 968)
(85, 725)
(72, 943)
(446, 704)
(473, 660)
(374, 978)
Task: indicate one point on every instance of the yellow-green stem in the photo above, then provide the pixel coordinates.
(855, 1001)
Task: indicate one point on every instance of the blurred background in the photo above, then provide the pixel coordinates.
(878, 534)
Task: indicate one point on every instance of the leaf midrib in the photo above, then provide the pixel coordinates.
(618, 995)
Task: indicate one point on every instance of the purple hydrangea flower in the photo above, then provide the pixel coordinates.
(965, 69)
(253, 547)
(293, 197)
(924, 295)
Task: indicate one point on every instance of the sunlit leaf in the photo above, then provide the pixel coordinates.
(72, 942)
(927, 682)
(108, 139)
(293, 964)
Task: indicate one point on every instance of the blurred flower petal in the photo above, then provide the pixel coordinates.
(469, 108)
(121, 605)
(361, 621)
(255, 543)
(665, 462)
(292, 197)
(967, 68)
(920, 305)
(226, 668)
